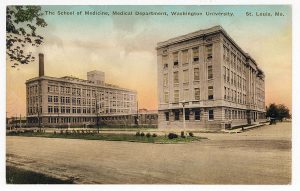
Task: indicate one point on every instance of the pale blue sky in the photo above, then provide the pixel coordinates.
(124, 46)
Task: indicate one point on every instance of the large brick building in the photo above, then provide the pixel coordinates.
(207, 77)
(52, 101)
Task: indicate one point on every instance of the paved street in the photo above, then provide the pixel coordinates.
(258, 156)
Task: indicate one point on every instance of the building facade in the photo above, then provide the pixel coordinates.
(206, 81)
(66, 101)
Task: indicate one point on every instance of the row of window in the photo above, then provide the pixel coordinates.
(83, 101)
(186, 95)
(84, 110)
(186, 76)
(89, 93)
(237, 62)
(234, 96)
(235, 114)
(185, 56)
(236, 80)
(196, 115)
(70, 119)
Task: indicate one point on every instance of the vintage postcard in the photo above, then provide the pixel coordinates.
(149, 94)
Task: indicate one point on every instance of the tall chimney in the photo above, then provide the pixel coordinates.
(41, 64)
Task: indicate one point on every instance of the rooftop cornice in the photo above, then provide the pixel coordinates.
(80, 82)
(202, 33)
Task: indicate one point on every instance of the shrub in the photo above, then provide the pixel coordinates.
(172, 136)
(182, 134)
(191, 134)
(154, 135)
(142, 134)
(137, 133)
(148, 135)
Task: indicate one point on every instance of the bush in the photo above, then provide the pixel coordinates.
(172, 136)
(142, 134)
(191, 134)
(148, 135)
(137, 133)
(154, 135)
(182, 134)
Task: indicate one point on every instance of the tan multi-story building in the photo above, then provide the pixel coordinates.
(206, 77)
(72, 101)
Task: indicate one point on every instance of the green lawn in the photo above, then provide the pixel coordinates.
(111, 137)
(19, 176)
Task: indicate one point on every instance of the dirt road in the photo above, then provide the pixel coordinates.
(260, 156)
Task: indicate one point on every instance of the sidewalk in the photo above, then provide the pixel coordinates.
(242, 129)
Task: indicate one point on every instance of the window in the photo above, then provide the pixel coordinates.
(225, 92)
(165, 81)
(211, 114)
(228, 75)
(175, 59)
(55, 109)
(176, 115)
(187, 114)
(166, 97)
(165, 61)
(62, 100)
(209, 52)
(197, 93)
(63, 109)
(196, 74)
(167, 116)
(49, 99)
(62, 89)
(68, 90)
(209, 72)
(175, 77)
(210, 92)
(68, 100)
(185, 59)
(186, 94)
(50, 109)
(185, 76)
(68, 110)
(176, 96)
(196, 54)
(55, 99)
(197, 114)
(224, 73)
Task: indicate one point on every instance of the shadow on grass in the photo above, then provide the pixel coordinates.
(19, 176)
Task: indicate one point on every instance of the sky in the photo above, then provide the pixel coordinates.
(124, 47)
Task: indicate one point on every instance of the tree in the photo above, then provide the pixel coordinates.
(21, 31)
(278, 111)
(283, 112)
(272, 111)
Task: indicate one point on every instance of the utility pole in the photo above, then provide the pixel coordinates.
(16, 123)
(137, 111)
(20, 121)
(183, 110)
(7, 121)
(97, 111)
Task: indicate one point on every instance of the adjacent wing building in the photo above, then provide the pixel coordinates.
(208, 82)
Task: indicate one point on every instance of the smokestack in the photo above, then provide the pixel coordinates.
(41, 64)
